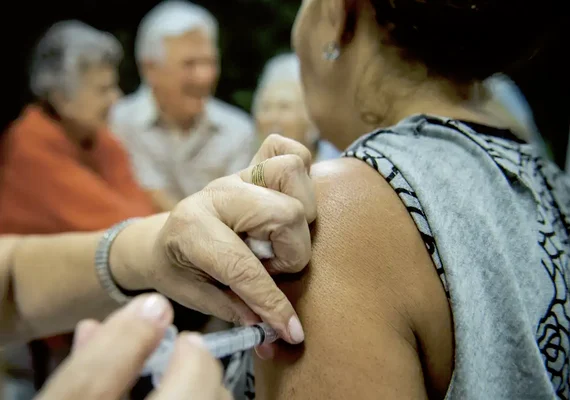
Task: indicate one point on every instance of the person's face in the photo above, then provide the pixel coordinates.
(88, 104)
(281, 109)
(187, 75)
(331, 87)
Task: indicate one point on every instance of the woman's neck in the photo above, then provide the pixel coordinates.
(435, 98)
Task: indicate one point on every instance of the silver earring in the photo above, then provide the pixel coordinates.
(331, 51)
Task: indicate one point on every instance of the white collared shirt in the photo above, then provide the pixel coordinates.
(222, 143)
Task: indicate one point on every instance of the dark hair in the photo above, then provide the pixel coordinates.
(466, 40)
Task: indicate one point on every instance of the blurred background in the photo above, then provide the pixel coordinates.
(251, 32)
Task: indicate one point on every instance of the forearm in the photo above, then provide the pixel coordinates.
(49, 282)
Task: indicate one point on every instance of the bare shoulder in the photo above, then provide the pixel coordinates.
(374, 311)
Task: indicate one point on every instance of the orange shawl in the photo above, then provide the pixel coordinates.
(50, 185)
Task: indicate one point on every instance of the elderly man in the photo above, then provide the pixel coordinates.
(62, 170)
(279, 107)
(179, 136)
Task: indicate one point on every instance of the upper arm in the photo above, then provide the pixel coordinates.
(376, 319)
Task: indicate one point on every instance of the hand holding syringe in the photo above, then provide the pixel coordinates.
(220, 344)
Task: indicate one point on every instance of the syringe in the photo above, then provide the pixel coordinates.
(220, 344)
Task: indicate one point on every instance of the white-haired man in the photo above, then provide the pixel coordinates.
(180, 138)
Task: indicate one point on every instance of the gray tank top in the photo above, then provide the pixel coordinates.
(494, 218)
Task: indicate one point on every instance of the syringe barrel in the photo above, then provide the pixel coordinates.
(219, 344)
(224, 343)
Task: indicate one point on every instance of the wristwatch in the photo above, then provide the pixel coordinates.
(103, 267)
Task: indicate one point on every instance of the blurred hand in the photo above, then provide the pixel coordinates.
(199, 258)
(108, 357)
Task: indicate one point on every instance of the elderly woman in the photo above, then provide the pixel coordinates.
(279, 107)
(441, 252)
(62, 170)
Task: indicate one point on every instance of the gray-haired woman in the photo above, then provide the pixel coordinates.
(279, 107)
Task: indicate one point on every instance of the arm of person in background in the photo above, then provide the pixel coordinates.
(375, 314)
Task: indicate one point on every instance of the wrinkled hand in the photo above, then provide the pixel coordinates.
(199, 257)
(108, 357)
(201, 240)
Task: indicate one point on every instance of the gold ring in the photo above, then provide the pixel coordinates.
(258, 175)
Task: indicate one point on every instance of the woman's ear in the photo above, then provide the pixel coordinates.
(341, 15)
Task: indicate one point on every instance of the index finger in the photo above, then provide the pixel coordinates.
(237, 267)
(276, 145)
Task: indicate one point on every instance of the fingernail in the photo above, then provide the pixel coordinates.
(296, 330)
(154, 307)
(195, 339)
